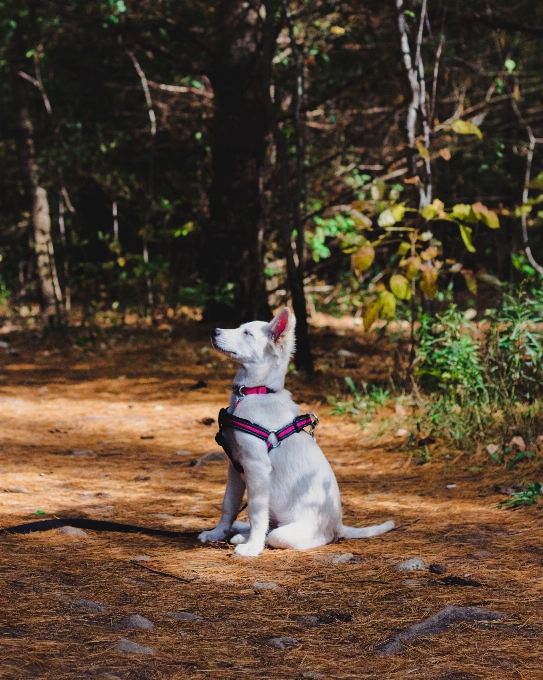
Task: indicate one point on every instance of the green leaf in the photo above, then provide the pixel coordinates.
(465, 127)
(363, 259)
(360, 220)
(398, 211)
(423, 151)
(371, 314)
(471, 282)
(404, 248)
(464, 212)
(537, 182)
(510, 65)
(465, 233)
(388, 305)
(400, 286)
(386, 219)
(489, 217)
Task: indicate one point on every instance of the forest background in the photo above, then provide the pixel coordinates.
(378, 160)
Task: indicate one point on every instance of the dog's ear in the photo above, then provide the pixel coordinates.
(281, 325)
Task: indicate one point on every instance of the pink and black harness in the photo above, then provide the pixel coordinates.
(230, 420)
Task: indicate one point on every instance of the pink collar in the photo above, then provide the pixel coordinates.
(241, 392)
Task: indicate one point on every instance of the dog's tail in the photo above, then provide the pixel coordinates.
(366, 532)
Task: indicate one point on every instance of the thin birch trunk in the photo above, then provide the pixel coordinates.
(50, 295)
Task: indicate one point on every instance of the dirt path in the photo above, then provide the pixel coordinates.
(113, 434)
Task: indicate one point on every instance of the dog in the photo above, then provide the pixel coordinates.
(291, 487)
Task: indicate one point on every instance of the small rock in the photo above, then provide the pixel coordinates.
(539, 441)
(183, 452)
(184, 616)
(90, 606)
(136, 621)
(517, 444)
(163, 515)
(451, 486)
(17, 489)
(71, 531)
(400, 410)
(207, 421)
(159, 407)
(402, 432)
(345, 558)
(282, 642)
(314, 675)
(110, 676)
(345, 353)
(129, 647)
(437, 569)
(263, 585)
(413, 564)
(82, 452)
(140, 558)
(511, 490)
(492, 449)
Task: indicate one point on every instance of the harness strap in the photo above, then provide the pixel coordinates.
(229, 420)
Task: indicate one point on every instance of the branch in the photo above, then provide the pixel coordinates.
(37, 82)
(529, 160)
(499, 23)
(180, 89)
(145, 87)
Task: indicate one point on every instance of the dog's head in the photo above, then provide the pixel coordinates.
(258, 342)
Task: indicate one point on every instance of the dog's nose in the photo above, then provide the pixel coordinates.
(215, 332)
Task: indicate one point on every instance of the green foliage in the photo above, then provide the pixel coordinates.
(524, 498)
(360, 404)
(484, 381)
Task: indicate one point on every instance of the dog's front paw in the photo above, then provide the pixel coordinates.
(249, 549)
(212, 536)
(238, 539)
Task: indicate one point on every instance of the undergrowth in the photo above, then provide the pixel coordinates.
(477, 386)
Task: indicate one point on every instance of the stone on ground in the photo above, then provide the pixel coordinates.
(136, 621)
(90, 606)
(413, 564)
(281, 642)
(345, 558)
(129, 647)
(17, 489)
(140, 558)
(71, 531)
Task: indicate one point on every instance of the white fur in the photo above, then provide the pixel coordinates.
(292, 489)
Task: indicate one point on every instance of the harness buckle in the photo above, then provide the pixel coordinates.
(314, 423)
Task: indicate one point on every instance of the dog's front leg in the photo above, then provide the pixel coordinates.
(257, 476)
(235, 486)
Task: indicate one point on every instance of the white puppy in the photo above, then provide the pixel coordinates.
(292, 489)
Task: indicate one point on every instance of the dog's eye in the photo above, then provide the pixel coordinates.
(248, 333)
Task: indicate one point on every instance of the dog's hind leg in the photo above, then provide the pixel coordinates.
(297, 536)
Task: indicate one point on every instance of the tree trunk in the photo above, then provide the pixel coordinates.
(240, 74)
(39, 208)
